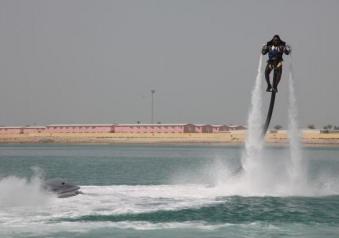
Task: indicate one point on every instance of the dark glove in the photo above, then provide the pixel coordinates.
(287, 49)
(264, 49)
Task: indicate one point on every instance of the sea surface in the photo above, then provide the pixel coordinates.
(166, 191)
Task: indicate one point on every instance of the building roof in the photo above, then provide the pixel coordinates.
(155, 124)
(234, 126)
(120, 124)
(68, 125)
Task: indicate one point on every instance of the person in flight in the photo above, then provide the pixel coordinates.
(275, 49)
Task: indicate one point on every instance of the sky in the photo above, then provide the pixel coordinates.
(80, 61)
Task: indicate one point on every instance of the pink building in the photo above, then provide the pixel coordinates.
(207, 128)
(11, 130)
(80, 128)
(120, 128)
(154, 128)
(220, 128)
(203, 128)
(169, 128)
(33, 129)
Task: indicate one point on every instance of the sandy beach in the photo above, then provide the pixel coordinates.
(309, 138)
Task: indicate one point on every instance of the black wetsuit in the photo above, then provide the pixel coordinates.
(274, 62)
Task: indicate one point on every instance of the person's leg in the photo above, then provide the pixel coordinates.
(267, 77)
(276, 77)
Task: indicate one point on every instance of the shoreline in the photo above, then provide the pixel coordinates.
(234, 138)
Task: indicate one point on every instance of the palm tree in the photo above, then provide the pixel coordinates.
(278, 127)
(311, 126)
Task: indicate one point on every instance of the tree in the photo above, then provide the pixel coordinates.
(278, 127)
(329, 126)
(311, 126)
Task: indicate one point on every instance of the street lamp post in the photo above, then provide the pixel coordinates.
(152, 109)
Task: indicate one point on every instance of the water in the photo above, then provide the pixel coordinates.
(175, 191)
(298, 164)
(254, 141)
(163, 191)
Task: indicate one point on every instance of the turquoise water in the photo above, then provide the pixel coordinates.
(165, 191)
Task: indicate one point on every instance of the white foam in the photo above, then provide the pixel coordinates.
(123, 199)
(16, 192)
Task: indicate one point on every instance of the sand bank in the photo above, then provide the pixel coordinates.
(234, 137)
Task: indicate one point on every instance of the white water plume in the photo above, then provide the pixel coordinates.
(254, 141)
(265, 173)
(297, 164)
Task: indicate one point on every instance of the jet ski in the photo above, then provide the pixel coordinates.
(61, 188)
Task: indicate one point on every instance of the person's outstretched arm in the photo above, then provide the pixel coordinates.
(287, 49)
(264, 50)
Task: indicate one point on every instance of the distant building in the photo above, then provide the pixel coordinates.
(120, 128)
(237, 127)
(167, 128)
(33, 129)
(154, 128)
(80, 128)
(222, 128)
(11, 130)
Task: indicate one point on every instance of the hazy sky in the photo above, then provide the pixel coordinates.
(77, 61)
